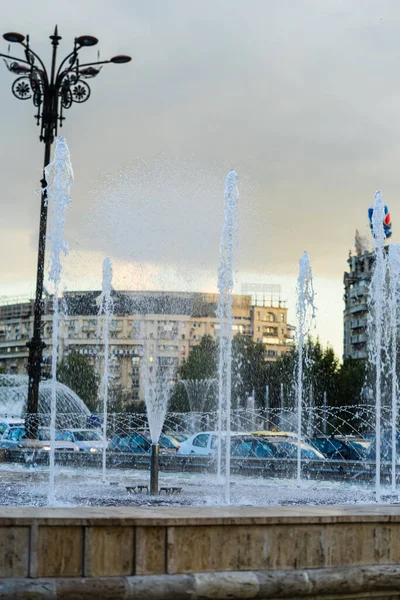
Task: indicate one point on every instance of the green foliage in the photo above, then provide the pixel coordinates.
(77, 372)
(321, 373)
(251, 370)
(350, 382)
(248, 371)
(200, 364)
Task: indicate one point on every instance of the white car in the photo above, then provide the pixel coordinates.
(204, 443)
(87, 440)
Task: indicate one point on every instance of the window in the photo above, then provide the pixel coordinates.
(282, 318)
(201, 441)
(242, 449)
(262, 449)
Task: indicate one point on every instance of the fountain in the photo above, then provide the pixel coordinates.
(224, 316)
(157, 390)
(105, 310)
(376, 324)
(59, 177)
(394, 297)
(197, 391)
(13, 393)
(305, 316)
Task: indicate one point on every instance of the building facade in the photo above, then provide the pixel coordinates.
(355, 317)
(163, 326)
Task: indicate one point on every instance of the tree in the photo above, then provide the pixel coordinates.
(77, 372)
(202, 361)
(320, 374)
(200, 364)
(248, 371)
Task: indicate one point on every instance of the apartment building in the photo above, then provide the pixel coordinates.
(163, 326)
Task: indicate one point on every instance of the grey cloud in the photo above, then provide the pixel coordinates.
(300, 97)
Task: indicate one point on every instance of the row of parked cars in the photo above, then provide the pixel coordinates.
(13, 436)
(255, 444)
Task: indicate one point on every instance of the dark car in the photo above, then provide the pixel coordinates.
(140, 443)
(326, 445)
(341, 448)
(130, 442)
(251, 447)
(352, 450)
(386, 446)
(288, 449)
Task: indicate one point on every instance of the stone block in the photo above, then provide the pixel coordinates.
(248, 547)
(109, 551)
(59, 551)
(14, 552)
(150, 555)
(362, 544)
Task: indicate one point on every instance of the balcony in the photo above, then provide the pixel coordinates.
(356, 308)
(356, 323)
(362, 338)
(357, 292)
(359, 354)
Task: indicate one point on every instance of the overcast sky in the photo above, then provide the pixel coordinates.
(301, 97)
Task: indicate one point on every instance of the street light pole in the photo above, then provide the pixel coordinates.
(50, 96)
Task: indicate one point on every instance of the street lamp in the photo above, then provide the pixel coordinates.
(51, 96)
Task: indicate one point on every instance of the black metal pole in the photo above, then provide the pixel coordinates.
(36, 344)
(154, 468)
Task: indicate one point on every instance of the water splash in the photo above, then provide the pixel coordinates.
(376, 322)
(305, 317)
(266, 426)
(197, 391)
(105, 310)
(394, 299)
(224, 318)
(157, 389)
(59, 177)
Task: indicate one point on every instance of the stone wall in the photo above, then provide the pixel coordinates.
(209, 552)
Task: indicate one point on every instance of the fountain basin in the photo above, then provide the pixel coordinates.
(256, 552)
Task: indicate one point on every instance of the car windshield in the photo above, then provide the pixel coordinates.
(86, 436)
(15, 433)
(44, 435)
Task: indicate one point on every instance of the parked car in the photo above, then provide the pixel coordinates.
(204, 443)
(140, 443)
(386, 446)
(130, 442)
(179, 437)
(287, 448)
(15, 437)
(272, 433)
(7, 422)
(252, 447)
(342, 447)
(353, 449)
(87, 440)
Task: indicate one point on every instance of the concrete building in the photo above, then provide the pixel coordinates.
(355, 317)
(164, 325)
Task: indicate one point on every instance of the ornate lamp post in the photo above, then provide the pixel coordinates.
(51, 95)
